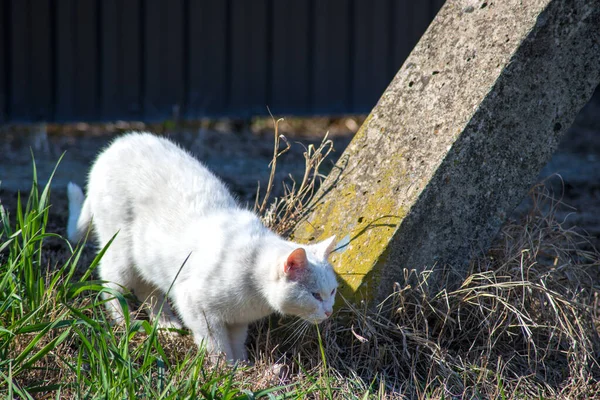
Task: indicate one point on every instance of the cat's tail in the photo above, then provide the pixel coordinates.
(80, 214)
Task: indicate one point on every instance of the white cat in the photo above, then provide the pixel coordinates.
(165, 205)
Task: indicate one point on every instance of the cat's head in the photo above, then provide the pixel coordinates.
(309, 282)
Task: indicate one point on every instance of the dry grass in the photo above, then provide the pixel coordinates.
(282, 213)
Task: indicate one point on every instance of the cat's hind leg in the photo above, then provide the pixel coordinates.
(156, 305)
(119, 276)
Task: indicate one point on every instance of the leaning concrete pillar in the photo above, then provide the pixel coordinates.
(457, 138)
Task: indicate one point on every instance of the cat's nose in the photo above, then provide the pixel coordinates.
(328, 314)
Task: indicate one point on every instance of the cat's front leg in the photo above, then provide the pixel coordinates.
(237, 336)
(214, 334)
(207, 330)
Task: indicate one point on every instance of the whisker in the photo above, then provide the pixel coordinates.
(299, 333)
(299, 329)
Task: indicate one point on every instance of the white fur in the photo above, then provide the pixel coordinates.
(79, 220)
(165, 205)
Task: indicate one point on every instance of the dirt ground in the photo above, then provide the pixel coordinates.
(240, 155)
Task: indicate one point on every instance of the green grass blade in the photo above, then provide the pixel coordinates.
(46, 192)
(97, 259)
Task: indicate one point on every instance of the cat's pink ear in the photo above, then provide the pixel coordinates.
(326, 246)
(295, 263)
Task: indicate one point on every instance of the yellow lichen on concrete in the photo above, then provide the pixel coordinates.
(362, 245)
(363, 235)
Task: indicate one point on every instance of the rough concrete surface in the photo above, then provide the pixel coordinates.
(457, 138)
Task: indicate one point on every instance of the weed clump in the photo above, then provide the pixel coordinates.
(282, 213)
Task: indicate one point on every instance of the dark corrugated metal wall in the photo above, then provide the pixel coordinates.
(69, 60)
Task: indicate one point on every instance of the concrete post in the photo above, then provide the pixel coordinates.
(457, 138)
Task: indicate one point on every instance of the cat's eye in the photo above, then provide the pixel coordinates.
(317, 296)
(332, 292)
